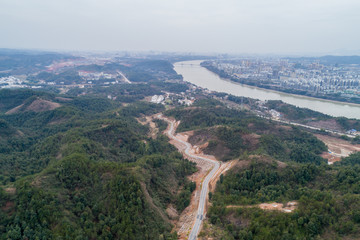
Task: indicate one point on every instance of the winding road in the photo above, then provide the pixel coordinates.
(205, 184)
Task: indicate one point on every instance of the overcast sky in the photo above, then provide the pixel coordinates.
(231, 26)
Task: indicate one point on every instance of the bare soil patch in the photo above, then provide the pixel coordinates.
(330, 124)
(286, 208)
(338, 148)
(41, 105)
(38, 105)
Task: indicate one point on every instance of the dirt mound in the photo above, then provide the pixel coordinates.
(38, 105)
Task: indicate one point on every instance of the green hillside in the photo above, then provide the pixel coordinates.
(86, 170)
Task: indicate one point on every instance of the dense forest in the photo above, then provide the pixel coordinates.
(86, 170)
(327, 196)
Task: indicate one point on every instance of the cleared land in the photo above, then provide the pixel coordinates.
(338, 148)
(286, 208)
(38, 105)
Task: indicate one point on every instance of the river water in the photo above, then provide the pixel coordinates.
(192, 72)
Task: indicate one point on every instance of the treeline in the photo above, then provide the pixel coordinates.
(138, 70)
(128, 93)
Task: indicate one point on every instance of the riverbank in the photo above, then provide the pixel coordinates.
(283, 91)
(192, 72)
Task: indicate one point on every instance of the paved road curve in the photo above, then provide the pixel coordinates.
(205, 185)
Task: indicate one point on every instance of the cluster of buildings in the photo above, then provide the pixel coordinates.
(11, 82)
(87, 75)
(303, 75)
(170, 98)
(269, 112)
(353, 132)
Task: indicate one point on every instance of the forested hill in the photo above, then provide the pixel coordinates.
(81, 166)
(27, 61)
(86, 170)
(273, 163)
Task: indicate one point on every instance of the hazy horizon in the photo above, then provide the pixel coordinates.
(250, 27)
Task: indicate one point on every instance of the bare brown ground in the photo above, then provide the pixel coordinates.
(338, 148)
(39, 105)
(330, 124)
(286, 208)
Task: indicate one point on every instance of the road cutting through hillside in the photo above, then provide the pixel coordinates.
(204, 188)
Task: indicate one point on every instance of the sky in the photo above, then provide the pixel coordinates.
(201, 26)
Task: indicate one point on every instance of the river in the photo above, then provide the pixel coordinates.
(192, 72)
